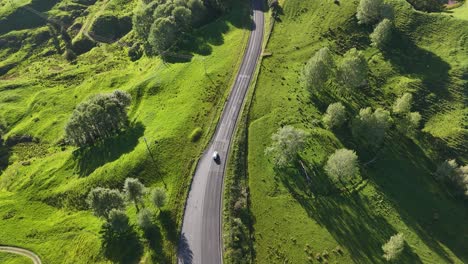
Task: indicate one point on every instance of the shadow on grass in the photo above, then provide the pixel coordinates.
(423, 204)
(122, 248)
(90, 158)
(346, 216)
(410, 59)
(155, 240)
(201, 40)
(169, 226)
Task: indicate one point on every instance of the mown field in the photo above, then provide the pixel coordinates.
(44, 184)
(296, 219)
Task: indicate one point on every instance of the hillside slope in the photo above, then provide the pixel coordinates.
(44, 183)
(305, 221)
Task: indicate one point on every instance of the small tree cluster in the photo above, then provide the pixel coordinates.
(455, 174)
(408, 121)
(163, 24)
(353, 69)
(382, 34)
(335, 115)
(287, 143)
(394, 247)
(319, 69)
(371, 126)
(103, 201)
(99, 117)
(342, 166)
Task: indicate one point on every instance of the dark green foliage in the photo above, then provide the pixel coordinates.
(111, 27)
(134, 190)
(143, 19)
(135, 52)
(371, 126)
(118, 221)
(82, 45)
(69, 55)
(163, 34)
(103, 201)
(428, 5)
(121, 247)
(100, 117)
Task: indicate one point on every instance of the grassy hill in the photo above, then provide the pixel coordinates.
(8, 258)
(43, 185)
(300, 221)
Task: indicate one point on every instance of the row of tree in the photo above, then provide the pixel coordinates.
(97, 118)
(107, 203)
(162, 24)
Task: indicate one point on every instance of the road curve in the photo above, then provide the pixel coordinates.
(201, 237)
(21, 251)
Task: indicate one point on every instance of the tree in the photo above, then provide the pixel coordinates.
(163, 34)
(369, 11)
(145, 219)
(143, 19)
(335, 115)
(382, 34)
(103, 200)
(319, 69)
(394, 247)
(353, 69)
(99, 117)
(287, 142)
(371, 126)
(342, 166)
(446, 169)
(461, 179)
(134, 191)
(158, 196)
(118, 221)
(403, 104)
(409, 123)
(182, 17)
(198, 12)
(450, 171)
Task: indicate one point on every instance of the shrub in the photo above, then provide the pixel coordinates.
(158, 196)
(382, 34)
(403, 104)
(342, 166)
(369, 11)
(196, 134)
(103, 200)
(145, 219)
(335, 115)
(118, 221)
(287, 142)
(371, 126)
(394, 247)
(99, 117)
(353, 69)
(319, 69)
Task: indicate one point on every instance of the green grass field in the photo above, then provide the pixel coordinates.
(43, 188)
(7, 258)
(295, 219)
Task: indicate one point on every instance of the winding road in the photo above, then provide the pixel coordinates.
(201, 237)
(21, 251)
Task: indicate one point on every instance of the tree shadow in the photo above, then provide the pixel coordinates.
(407, 58)
(123, 247)
(90, 158)
(168, 223)
(184, 253)
(348, 219)
(155, 241)
(201, 40)
(423, 204)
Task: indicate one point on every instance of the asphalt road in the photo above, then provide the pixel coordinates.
(20, 251)
(201, 237)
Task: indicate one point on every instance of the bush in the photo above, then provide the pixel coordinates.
(99, 117)
(371, 126)
(342, 166)
(369, 11)
(196, 134)
(382, 34)
(319, 69)
(353, 69)
(394, 247)
(111, 27)
(335, 115)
